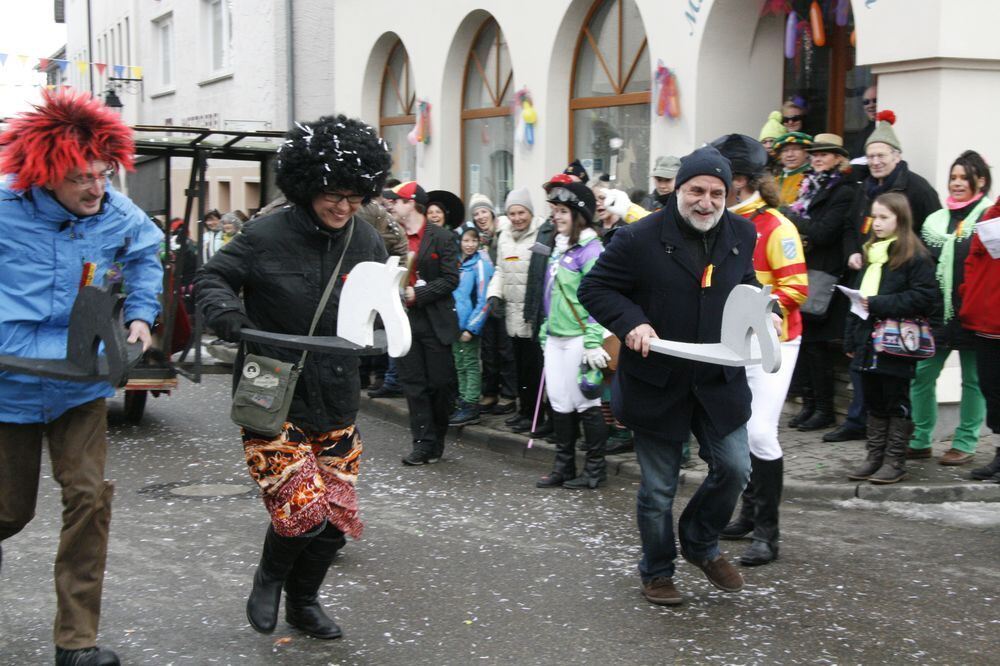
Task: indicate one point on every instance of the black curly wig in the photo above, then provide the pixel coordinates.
(332, 153)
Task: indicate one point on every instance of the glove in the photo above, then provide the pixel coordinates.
(229, 324)
(617, 202)
(497, 307)
(596, 358)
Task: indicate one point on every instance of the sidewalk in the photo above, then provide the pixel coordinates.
(813, 468)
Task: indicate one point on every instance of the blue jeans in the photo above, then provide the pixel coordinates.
(857, 414)
(392, 376)
(708, 511)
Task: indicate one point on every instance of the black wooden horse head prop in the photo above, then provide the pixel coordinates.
(96, 317)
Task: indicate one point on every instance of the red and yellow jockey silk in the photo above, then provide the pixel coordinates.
(779, 261)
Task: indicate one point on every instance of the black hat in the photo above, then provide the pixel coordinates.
(576, 196)
(746, 155)
(454, 209)
(706, 161)
(575, 168)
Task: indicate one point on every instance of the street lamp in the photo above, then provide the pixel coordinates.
(117, 85)
(111, 99)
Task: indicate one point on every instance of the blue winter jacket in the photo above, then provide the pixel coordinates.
(470, 296)
(43, 249)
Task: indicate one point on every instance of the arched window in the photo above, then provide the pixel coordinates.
(611, 93)
(397, 112)
(487, 123)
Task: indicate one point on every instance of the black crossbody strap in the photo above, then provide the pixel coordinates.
(325, 298)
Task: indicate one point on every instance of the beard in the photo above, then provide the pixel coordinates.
(696, 219)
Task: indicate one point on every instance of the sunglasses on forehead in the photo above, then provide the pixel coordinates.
(791, 119)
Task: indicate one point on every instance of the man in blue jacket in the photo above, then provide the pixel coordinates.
(669, 276)
(65, 227)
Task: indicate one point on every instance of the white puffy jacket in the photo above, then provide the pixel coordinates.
(510, 280)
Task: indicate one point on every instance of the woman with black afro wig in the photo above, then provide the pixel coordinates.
(335, 153)
(281, 263)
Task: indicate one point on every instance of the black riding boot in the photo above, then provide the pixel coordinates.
(564, 467)
(743, 525)
(595, 434)
(276, 561)
(302, 608)
(767, 477)
(877, 431)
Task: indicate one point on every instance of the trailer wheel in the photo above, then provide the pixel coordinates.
(135, 405)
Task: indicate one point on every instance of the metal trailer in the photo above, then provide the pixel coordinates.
(150, 187)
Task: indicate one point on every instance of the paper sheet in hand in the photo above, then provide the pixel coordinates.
(855, 297)
(989, 233)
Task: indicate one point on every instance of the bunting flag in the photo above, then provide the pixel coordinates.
(82, 65)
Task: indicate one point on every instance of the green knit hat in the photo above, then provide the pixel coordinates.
(772, 128)
(792, 138)
(883, 132)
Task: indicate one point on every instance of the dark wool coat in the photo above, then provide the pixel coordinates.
(908, 291)
(648, 275)
(534, 292)
(438, 265)
(282, 264)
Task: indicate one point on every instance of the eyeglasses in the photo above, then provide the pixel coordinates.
(791, 119)
(336, 198)
(89, 179)
(868, 100)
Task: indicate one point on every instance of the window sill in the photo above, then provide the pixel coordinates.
(215, 79)
(162, 93)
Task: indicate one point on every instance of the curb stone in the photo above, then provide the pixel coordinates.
(626, 466)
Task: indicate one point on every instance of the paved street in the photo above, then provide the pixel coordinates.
(466, 562)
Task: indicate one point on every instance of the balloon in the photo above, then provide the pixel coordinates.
(816, 20)
(529, 134)
(791, 33)
(843, 9)
(528, 113)
(854, 37)
(411, 136)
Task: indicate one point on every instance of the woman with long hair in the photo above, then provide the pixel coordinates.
(948, 234)
(825, 201)
(572, 341)
(896, 281)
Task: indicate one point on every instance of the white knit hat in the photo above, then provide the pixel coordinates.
(519, 197)
(480, 201)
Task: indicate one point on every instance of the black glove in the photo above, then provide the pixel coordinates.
(497, 307)
(229, 324)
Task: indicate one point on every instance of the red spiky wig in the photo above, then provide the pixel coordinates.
(70, 129)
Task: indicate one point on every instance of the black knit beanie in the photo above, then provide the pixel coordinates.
(706, 161)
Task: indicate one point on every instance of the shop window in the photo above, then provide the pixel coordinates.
(487, 122)
(397, 112)
(609, 107)
(828, 79)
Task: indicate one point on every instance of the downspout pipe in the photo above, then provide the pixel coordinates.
(290, 62)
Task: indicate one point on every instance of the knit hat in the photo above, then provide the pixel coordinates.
(576, 196)
(575, 168)
(748, 157)
(480, 201)
(827, 143)
(706, 161)
(666, 166)
(883, 132)
(773, 128)
(519, 197)
(792, 139)
(408, 191)
(465, 227)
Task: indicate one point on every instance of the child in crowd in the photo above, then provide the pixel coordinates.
(897, 282)
(470, 304)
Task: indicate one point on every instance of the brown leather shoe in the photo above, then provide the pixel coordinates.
(918, 454)
(954, 458)
(661, 591)
(720, 573)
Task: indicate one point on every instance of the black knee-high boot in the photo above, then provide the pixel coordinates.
(276, 561)
(564, 467)
(743, 525)
(767, 477)
(595, 433)
(302, 608)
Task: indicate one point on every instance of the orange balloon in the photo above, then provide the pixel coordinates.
(854, 37)
(816, 19)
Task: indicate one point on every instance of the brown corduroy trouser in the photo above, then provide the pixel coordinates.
(78, 449)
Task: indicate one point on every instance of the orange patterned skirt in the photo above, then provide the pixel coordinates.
(307, 478)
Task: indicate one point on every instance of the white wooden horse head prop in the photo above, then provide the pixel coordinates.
(372, 289)
(748, 336)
